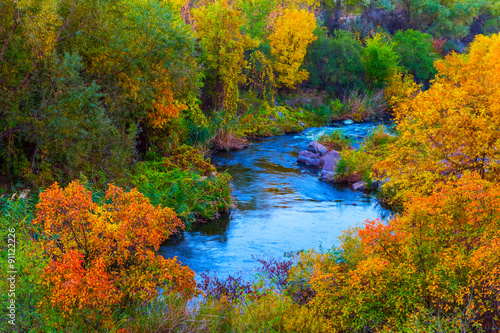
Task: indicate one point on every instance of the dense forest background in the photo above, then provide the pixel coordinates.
(110, 108)
(91, 87)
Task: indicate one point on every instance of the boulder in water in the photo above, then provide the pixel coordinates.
(317, 148)
(329, 162)
(358, 186)
(309, 158)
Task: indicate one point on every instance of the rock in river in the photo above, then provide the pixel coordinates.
(359, 186)
(309, 158)
(330, 160)
(317, 148)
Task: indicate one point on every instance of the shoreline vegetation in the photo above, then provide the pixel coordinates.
(109, 109)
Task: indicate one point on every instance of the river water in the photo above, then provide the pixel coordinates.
(280, 206)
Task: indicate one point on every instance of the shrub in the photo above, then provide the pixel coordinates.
(266, 120)
(102, 257)
(16, 213)
(401, 87)
(436, 264)
(265, 314)
(335, 63)
(230, 289)
(362, 105)
(449, 128)
(353, 166)
(380, 59)
(357, 165)
(417, 54)
(275, 271)
(336, 141)
(171, 313)
(187, 183)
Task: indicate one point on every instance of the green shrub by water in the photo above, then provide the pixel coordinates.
(186, 183)
(336, 141)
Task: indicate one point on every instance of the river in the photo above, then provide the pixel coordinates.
(280, 206)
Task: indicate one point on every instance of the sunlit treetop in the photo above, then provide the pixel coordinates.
(453, 126)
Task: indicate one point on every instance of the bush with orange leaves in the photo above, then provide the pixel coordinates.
(103, 256)
(434, 268)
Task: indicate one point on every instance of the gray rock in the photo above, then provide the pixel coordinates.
(309, 158)
(302, 124)
(24, 194)
(327, 175)
(329, 162)
(317, 148)
(358, 186)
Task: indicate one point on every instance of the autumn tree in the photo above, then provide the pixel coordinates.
(218, 27)
(439, 257)
(450, 128)
(79, 79)
(103, 256)
(260, 76)
(291, 34)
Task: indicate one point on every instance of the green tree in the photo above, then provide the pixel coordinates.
(380, 59)
(335, 60)
(442, 18)
(416, 53)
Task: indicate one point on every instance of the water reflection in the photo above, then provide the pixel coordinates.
(281, 206)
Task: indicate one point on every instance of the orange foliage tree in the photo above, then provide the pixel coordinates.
(292, 33)
(441, 258)
(103, 256)
(452, 127)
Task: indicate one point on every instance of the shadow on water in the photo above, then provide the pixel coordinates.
(280, 206)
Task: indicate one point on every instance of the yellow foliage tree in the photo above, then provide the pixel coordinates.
(260, 76)
(291, 35)
(218, 26)
(450, 128)
(440, 256)
(400, 88)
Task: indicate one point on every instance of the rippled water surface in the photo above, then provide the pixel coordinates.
(280, 206)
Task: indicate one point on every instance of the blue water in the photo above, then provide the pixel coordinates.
(280, 206)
